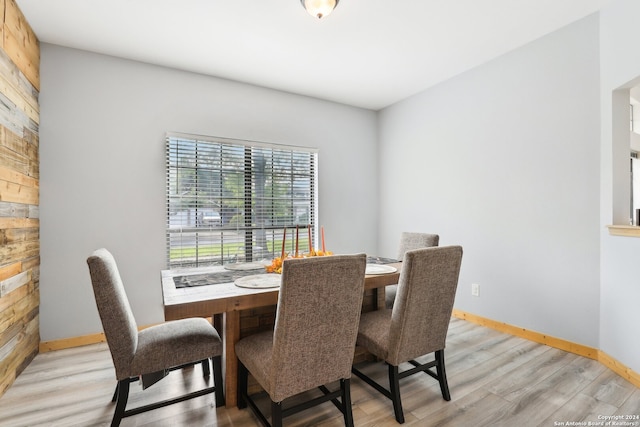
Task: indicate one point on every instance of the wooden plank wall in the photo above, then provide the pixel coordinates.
(19, 194)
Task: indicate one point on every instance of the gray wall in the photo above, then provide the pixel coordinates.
(504, 161)
(102, 129)
(620, 282)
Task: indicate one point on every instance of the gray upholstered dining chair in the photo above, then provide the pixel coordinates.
(313, 341)
(151, 352)
(418, 323)
(408, 242)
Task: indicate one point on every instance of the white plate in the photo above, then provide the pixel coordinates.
(379, 269)
(258, 281)
(243, 266)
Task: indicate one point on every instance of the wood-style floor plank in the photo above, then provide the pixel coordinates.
(495, 380)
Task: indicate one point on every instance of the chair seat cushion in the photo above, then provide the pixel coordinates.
(373, 332)
(173, 344)
(255, 353)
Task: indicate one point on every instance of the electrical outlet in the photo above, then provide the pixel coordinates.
(475, 289)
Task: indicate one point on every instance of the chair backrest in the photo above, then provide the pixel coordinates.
(410, 241)
(424, 302)
(118, 322)
(317, 321)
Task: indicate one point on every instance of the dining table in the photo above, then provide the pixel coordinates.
(223, 292)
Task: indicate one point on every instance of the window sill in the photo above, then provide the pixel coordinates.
(624, 230)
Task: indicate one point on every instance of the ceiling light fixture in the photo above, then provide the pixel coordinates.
(319, 8)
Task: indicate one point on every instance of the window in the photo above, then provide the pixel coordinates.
(635, 188)
(625, 144)
(634, 139)
(230, 200)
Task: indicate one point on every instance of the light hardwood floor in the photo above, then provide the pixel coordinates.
(495, 380)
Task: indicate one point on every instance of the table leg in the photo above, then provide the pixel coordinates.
(231, 337)
(380, 298)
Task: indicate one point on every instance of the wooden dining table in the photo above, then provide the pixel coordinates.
(223, 302)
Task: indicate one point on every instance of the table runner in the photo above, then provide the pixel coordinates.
(228, 276)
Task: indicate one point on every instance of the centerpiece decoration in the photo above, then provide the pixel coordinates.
(276, 263)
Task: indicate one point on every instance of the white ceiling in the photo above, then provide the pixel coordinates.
(367, 53)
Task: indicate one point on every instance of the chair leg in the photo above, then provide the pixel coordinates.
(442, 375)
(115, 393)
(276, 414)
(243, 374)
(345, 386)
(121, 402)
(394, 389)
(217, 379)
(205, 368)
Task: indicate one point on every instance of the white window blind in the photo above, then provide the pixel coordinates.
(230, 201)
